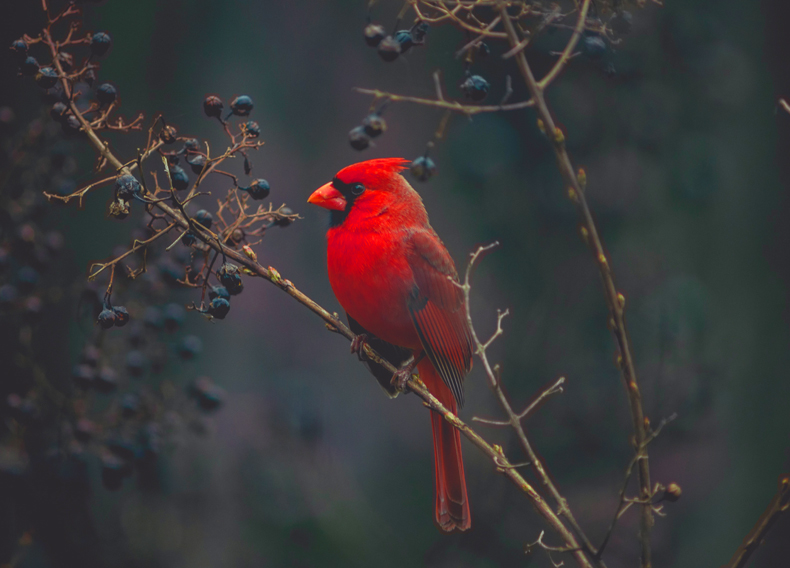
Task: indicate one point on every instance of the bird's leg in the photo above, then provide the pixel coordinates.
(358, 346)
(402, 375)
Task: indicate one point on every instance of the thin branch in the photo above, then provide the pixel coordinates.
(454, 106)
(614, 300)
(778, 505)
(555, 388)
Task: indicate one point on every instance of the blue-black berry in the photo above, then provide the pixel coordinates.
(423, 168)
(218, 308)
(191, 346)
(258, 189)
(29, 66)
(475, 88)
(106, 318)
(405, 39)
(191, 145)
(58, 111)
(174, 316)
(135, 363)
(121, 316)
(127, 187)
(46, 78)
(621, 22)
(230, 277)
(419, 32)
(358, 138)
(213, 106)
(19, 50)
(284, 221)
(100, 43)
(241, 105)
(389, 49)
(252, 129)
(197, 162)
(204, 218)
(374, 33)
(106, 94)
(374, 125)
(179, 178)
(594, 46)
(218, 292)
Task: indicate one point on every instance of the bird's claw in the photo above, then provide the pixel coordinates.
(402, 375)
(358, 346)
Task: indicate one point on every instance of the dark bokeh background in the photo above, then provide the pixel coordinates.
(308, 464)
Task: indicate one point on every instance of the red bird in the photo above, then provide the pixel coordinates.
(390, 272)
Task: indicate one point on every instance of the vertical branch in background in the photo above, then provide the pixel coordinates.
(614, 300)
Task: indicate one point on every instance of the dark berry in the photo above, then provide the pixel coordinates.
(204, 218)
(230, 277)
(127, 187)
(594, 46)
(46, 78)
(358, 139)
(106, 381)
(121, 316)
(419, 32)
(190, 347)
(475, 88)
(179, 178)
(374, 125)
(252, 129)
(106, 318)
(100, 43)
(89, 77)
(84, 430)
(219, 308)
(213, 106)
(208, 395)
(241, 106)
(168, 135)
(423, 168)
(191, 145)
(122, 448)
(259, 189)
(389, 49)
(29, 66)
(83, 376)
(174, 316)
(19, 50)
(621, 22)
(58, 111)
(237, 235)
(153, 317)
(284, 221)
(405, 39)
(106, 94)
(135, 363)
(197, 162)
(374, 33)
(218, 292)
(90, 355)
(71, 125)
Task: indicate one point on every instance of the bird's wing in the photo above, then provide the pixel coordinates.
(436, 306)
(392, 353)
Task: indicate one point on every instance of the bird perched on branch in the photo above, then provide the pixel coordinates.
(395, 279)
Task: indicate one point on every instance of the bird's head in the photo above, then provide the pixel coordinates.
(367, 188)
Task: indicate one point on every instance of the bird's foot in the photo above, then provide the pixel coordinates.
(358, 346)
(402, 375)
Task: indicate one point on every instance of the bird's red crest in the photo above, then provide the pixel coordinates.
(372, 170)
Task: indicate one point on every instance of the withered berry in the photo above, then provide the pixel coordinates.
(213, 106)
(191, 145)
(252, 129)
(58, 111)
(358, 139)
(197, 162)
(204, 218)
(179, 178)
(19, 50)
(475, 88)
(106, 318)
(389, 49)
(219, 308)
(423, 168)
(121, 316)
(259, 189)
(405, 39)
(374, 33)
(284, 221)
(594, 46)
(230, 277)
(29, 66)
(218, 292)
(46, 77)
(168, 134)
(241, 105)
(127, 187)
(106, 94)
(374, 125)
(100, 43)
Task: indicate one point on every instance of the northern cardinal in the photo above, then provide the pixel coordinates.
(391, 273)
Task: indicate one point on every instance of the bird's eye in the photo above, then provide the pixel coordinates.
(357, 189)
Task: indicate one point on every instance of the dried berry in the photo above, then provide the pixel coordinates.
(197, 162)
(213, 106)
(389, 49)
(405, 39)
(419, 32)
(594, 46)
(191, 145)
(230, 277)
(106, 94)
(100, 43)
(127, 187)
(106, 318)
(374, 33)
(284, 221)
(358, 139)
(252, 129)
(19, 50)
(374, 125)
(219, 308)
(218, 292)
(29, 66)
(46, 78)
(237, 235)
(423, 168)
(258, 189)
(475, 88)
(179, 178)
(241, 105)
(168, 135)
(58, 111)
(121, 316)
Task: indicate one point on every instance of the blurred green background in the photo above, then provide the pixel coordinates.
(308, 464)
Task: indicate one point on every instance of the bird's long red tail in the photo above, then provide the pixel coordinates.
(452, 504)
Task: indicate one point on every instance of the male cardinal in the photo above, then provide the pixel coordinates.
(392, 275)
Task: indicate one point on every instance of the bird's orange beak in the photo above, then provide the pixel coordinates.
(328, 197)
